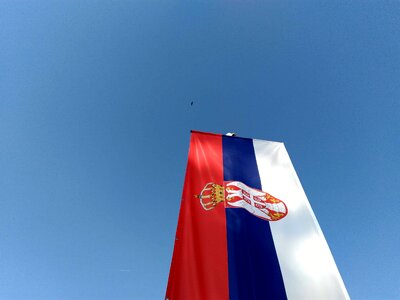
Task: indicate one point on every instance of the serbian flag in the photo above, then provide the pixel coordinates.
(246, 229)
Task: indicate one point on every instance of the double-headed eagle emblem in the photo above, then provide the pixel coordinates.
(236, 194)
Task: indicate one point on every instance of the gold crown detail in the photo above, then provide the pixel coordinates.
(211, 195)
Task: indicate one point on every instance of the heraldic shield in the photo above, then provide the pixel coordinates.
(235, 194)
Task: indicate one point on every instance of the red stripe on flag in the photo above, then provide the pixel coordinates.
(199, 268)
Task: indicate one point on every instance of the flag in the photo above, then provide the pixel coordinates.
(246, 229)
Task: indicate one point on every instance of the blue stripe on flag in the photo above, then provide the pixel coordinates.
(253, 266)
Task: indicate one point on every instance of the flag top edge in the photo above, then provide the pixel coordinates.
(233, 137)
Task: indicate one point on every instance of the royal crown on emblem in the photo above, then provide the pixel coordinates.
(211, 195)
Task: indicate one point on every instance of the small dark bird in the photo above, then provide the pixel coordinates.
(191, 103)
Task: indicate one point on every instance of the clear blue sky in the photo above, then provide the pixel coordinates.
(94, 129)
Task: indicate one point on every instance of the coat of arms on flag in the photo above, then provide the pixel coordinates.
(237, 194)
(224, 246)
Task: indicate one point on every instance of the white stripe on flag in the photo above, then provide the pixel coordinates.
(308, 268)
